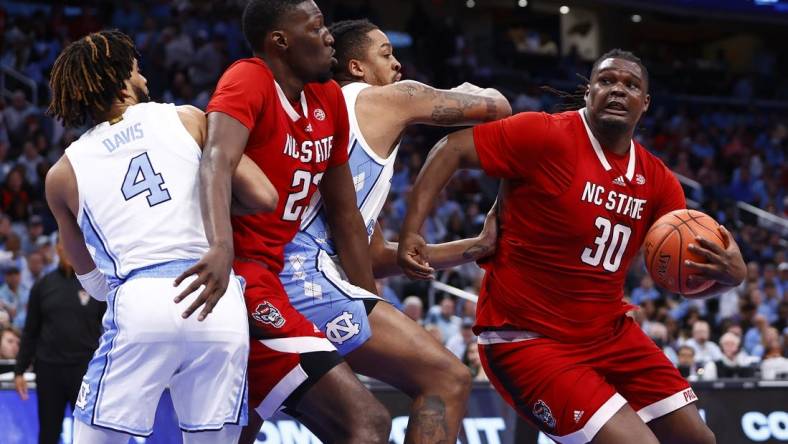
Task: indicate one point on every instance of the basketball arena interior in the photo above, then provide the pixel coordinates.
(717, 118)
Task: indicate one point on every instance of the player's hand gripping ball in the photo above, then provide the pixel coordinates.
(665, 250)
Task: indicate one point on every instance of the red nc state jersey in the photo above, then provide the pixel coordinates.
(292, 143)
(573, 216)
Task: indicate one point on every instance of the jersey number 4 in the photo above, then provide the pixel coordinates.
(610, 245)
(301, 182)
(141, 178)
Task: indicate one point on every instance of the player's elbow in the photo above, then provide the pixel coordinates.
(264, 200)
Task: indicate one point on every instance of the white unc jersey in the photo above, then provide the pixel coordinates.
(139, 191)
(371, 178)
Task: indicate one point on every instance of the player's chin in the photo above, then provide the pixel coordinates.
(615, 122)
(324, 76)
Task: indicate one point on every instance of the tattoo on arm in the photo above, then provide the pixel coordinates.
(476, 251)
(428, 421)
(451, 107)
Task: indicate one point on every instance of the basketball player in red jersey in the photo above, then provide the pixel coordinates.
(281, 109)
(579, 196)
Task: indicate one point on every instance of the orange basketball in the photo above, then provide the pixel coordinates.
(665, 249)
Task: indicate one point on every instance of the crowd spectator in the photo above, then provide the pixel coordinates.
(14, 297)
(444, 318)
(690, 368)
(9, 342)
(705, 350)
(459, 343)
(734, 361)
(414, 308)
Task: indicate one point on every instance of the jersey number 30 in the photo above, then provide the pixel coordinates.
(141, 178)
(610, 245)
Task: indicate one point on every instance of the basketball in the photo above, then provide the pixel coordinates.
(665, 249)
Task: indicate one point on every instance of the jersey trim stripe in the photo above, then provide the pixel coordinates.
(102, 241)
(600, 154)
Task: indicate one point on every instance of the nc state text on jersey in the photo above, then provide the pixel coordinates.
(123, 137)
(320, 150)
(613, 201)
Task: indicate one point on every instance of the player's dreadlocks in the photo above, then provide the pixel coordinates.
(89, 75)
(576, 99)
(350, 42)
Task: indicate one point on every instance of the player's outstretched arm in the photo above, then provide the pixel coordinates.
(412, 102)
(455, 151)
(252, 191)
(725, 265)
(347, 226)
(225, 144)
(441, 256)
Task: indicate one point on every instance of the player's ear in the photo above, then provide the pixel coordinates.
(280, 39)
(646, 102)
(588, 90)
(355, 68)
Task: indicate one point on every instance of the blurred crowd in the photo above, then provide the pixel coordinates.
(727, 154)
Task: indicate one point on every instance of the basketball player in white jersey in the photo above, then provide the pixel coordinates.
(376, 339)
(125, 196)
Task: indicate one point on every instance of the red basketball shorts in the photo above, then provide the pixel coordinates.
(287, 353)
(571, 390)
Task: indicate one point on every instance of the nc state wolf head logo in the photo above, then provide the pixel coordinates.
(269, 314)
(542, 411)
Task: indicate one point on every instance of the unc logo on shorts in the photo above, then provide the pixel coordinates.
(82, 397)
(542, 411)
(269, 314)
(342, 328)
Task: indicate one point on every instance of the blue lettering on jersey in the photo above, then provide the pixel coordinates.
(123, 137)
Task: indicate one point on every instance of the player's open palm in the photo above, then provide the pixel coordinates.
(213, 275)
(412, 256)
(724, 265)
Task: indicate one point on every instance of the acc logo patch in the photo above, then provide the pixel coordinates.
(543, 413)
(342, 328)
(268, 314)
(639, 179)
(319, 114)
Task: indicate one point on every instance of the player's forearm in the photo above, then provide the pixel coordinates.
(253, 192)
(215, 186)
(223, 151)
(384, 260)
(452, 254)
(501, 106)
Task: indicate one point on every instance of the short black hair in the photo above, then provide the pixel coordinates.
(261, 16)
(350, 41)
(618, 53)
